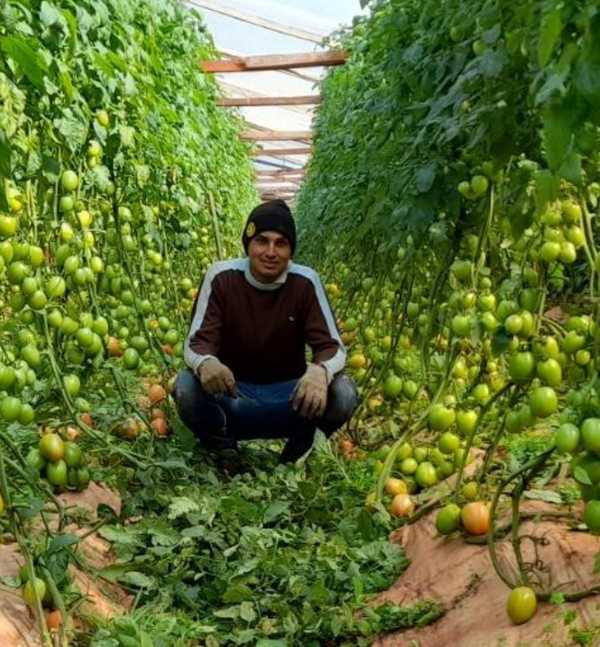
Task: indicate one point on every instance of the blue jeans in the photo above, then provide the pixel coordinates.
(260, 411)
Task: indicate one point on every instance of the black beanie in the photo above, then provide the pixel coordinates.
(274, 215)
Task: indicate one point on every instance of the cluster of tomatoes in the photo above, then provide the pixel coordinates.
(154, 402)
(498, 358)
(82, 297)
(582, 441)
(36, 589)
(60, 462)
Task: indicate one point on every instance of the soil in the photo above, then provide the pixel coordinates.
(461, 578)
(103, 599)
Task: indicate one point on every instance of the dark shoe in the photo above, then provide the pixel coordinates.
(215, 442)
(229, 461)
(296, 447)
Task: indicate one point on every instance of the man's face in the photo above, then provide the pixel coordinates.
(269, 254)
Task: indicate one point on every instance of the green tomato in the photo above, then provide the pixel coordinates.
(73, 454)
(466, 421)
(10, 408)
(521, 367)
(513, 324)
(441, 417)
(131, 359)
(8, 226)
(550, 372)
(56, 473)
(448, 443)
(448, 519)
(543, 401)
(567, 438)
(72, 384)
(34, 591)
(35, 460)
(69, 181)
(479, 184)
(426, 475)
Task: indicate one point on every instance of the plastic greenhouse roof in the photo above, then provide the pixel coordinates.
(238, 37)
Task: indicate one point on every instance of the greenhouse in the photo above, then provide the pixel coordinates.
(299, 323)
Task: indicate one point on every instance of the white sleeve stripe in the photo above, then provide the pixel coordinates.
(336, 363)
(192, 359)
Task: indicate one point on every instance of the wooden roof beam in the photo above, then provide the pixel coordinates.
(283, 166)
(277, 135)
(247, 102)
(281, 152)
(275, 173)
(230, 91)
(278, 196)
(278, 182)
(299, 75)
(275, 62)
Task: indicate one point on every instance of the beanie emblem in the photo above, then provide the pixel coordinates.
(250, 230)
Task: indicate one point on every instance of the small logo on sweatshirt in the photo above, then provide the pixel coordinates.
(292, 318)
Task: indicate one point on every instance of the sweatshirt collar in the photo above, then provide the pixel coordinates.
(277, 283)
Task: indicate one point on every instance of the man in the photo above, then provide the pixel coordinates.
(247, 375)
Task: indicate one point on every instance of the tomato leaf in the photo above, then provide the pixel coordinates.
(275, 510)
(5, 156)
(557, 134)
(181, 506)
(501, 342)
(586, 75)
(547, 187)
(49, 15)
(425, 177)
(73, 127)
(571, 169)
(34, 507)
(137, 579)
(550, 31)
(61, 541)
(581, 476)
(25, 52)
(247, 611)
(237, 593)
(51, 169)
(492, 62)
(543, 495)
(231, 613)
(5, 169)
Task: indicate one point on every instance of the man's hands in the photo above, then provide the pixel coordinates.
(216, 378)
(309, 398)
(310, 395)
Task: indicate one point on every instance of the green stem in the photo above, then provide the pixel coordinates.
(14, 524)
(469, 444)
(531, 468)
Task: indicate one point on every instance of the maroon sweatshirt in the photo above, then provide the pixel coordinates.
(260, 330)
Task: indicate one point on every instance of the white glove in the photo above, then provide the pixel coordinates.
(310, 395)
(216, 378)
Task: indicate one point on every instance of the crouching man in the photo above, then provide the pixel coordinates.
(247, 376)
